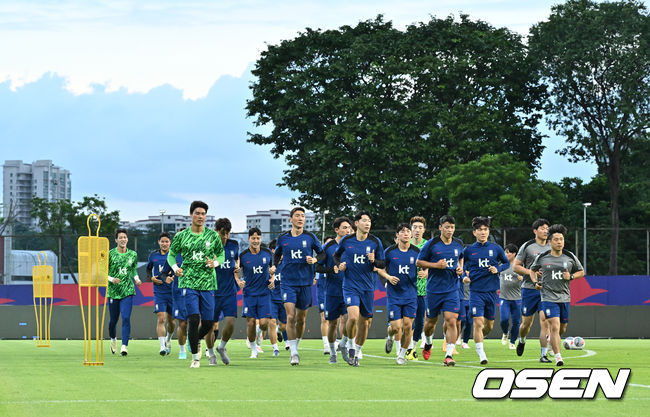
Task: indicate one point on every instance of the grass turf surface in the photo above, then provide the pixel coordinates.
(52, 381)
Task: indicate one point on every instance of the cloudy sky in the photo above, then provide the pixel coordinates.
(143, 101)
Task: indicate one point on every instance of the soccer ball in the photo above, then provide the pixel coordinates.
(578, 343)
(569, 343)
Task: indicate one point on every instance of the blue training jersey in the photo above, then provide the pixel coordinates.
(334, 281)
(255, 269)
(402, 265)
(276, 293)
(445, 280)
(226, 284)
(478, 258)
(293, 251)
(359, 273)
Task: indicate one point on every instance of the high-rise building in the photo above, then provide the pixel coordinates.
(23, 181)
(277, 221)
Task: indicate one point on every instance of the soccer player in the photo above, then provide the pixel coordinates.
(178, 308)
(225, 298)
(162, 276)
(483, 262)
(510, 298)
(443, 257)
(255, 271)
(202, 252)
(558, 268)
(401, 291)
(122, 271)
(465, 317)
(363, 253)
(278, 322)
(418, 227)
(320, 281)
(295, 248)
(335, 308)
(530, 297)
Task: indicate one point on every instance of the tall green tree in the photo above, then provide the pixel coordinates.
(365, 115)
(595, 57)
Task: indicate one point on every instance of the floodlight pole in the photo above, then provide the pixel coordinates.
(162, 224)
(584, 237)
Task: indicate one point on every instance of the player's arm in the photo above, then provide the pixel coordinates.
(518, 267)
(171, 260)
(150, 276)
(505, 263)
(423, 262)
(534, 276)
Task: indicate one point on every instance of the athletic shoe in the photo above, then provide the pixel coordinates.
(344, 353)
(401, 361)
(449, 361)
(360, 355)
(351, 354)
(504, 339)
(411, 355)
(333, 359)
(113, 346)
(326, 351)
(124, 351)
(459, 341)
(163, 352)
(465, 346)
(484, 361)
(248, 344)
(213, 360)
(280, 337)
(253, 354)
(512, 346)
(337, 343)
(483, 358)
(224, 355)
(259, 349)
(295, 360)
(182, 355)
(426, 352)
(195, 363)
(355, 361)
(520, 348)
(544, 359)
(389, 345)
(276, 352)
(207, 352)
(286, 346)
(260, 337)
(168, 346)
(559, 362)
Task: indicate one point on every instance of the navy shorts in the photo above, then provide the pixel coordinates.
(226, 305)
(464, 309)
(531, 302)
(436, 303)
(199, 302)
(298, 295)
(178, 304)
(483, 304)
(278, 312)
(560, 310)
(163, 303)
(365, 300)
(257, 306)
(401, 308)
(320, 294)
(334, 307)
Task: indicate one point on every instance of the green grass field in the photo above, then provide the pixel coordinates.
(53, 382)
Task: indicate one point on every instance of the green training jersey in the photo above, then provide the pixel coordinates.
(123, 266)
(195, 250)
(421, 282)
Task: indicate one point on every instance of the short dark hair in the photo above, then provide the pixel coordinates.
(254, 230)
(223, 224)
(402, 226)
(557, 228)
(295, 209)
(540, 222)
(418, 219)
(446, 219)
(340, 220)
(164, 234)
(360, 214)
(511, 247)
(198, 204)
(273, 243)
(120, 230)
(479, 221)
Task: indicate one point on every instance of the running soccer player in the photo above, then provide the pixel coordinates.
(483, 262)
(278, 322)
(530, 297)
(510, 298)
(202, 252)
(320, 281)
(418, 227)
(465, 317)
(443, 257)
(558, 268)
(295, 248)
(225, 298)
(256, 274)
(363, 253)
(162, 292)
(335, 308)
(122, 271)
(178, 307)
(401, 291)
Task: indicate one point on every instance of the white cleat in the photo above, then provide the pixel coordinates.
(504, 339)
(195, 364)
(124, 351)
(113, 346)
(401, 361)
(513, 346)
(259, 349)
(295, 360)
(213, 360)
(465, 346)
(253, 355)
(224, 355)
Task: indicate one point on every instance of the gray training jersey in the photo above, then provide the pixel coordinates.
(527, 254)
(555, 288)
(509, 285)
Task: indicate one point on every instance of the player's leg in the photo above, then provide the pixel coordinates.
(530, 300)
(114, 315)
(477, 307)
(433, 304)
(351, 325)
(407, 334)
(544, 333)
(324, 328)
(418, 323)
(170, 327)
(515, 314)
(251, 334)
(273, 336)
(554, 327)
(504, 319)
(161, 331)
(126, 306)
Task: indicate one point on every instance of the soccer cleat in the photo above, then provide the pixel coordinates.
(279, 336)
(224, 355)
(465, 346)
(449, 361)
(253, 354)
(483, 358)
(182, 355)
(213, 360)
(520, 348)
(389, 345)
(286, 346)
(544, 359)
(333, 359)
(360, 354)
(512, 346)
(168, 347)
(276, 352)
(355, 361)
(113, 346)
(259, 349)
(326, 351)
(559, 362)
(426, 352)
(484, 361)
(351, 354)
(163, 352)
(504, 339)
(195, 363)
(124, 351)
(344, 353)
(295, 360)
(401, 361)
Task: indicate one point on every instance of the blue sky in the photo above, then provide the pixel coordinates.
(144, 102)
